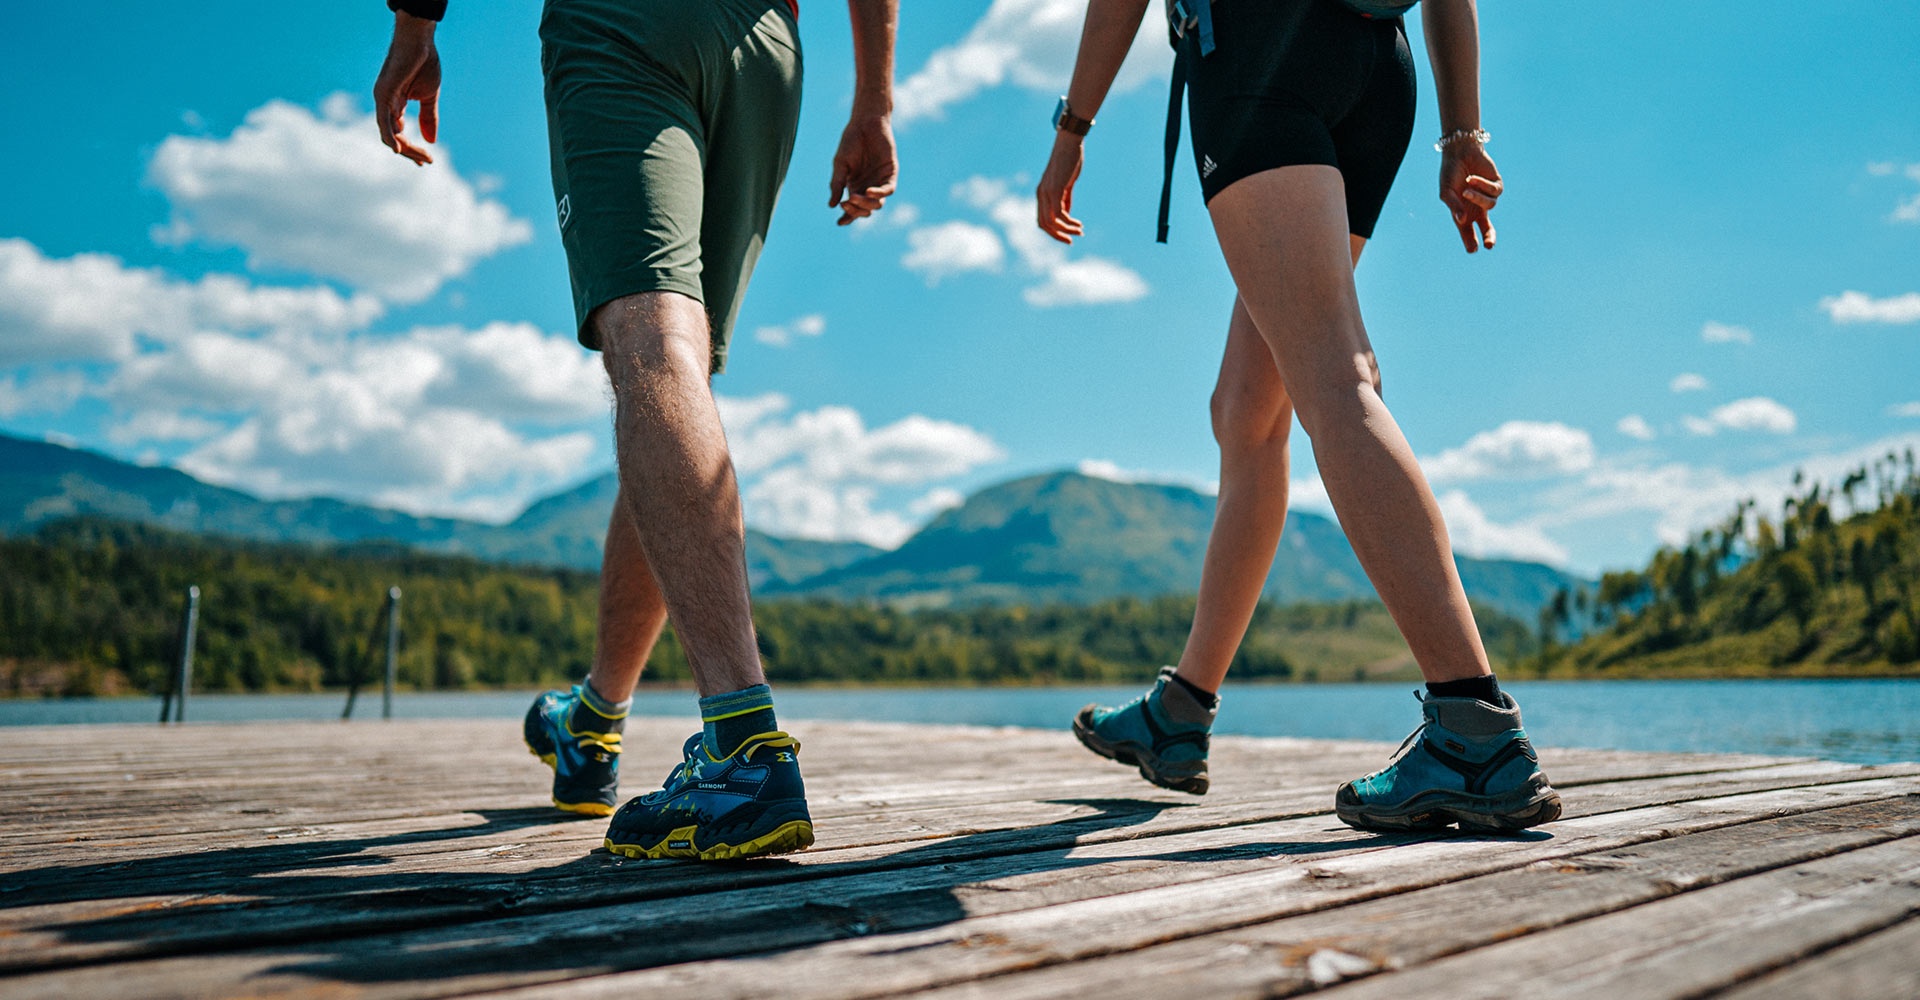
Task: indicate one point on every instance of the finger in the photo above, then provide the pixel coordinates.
(862, 201)
(1486, 232)
(1465, 226)
(430, 118)
(385, 120)
(836, 184)
(1491, 185)
(1479, 198)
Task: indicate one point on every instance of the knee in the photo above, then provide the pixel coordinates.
(644, 338)
(1247, 417)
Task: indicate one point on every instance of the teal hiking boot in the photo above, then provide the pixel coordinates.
(583, 748)
(748, 804)
(1163, 733)
(1469, 763)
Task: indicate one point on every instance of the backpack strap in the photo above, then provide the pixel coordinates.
(1183, 16)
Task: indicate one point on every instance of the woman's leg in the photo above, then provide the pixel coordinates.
(1252, 419)
(1282, 232)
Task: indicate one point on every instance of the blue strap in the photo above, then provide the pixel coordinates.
(1173, 140)
(1203, 23)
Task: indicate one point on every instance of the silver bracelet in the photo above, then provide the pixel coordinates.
(1478, 135)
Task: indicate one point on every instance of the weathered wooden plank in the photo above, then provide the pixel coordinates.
(1299, 954)
(1094, 911)
(1687, 945)
(991, 945)
(1880, 966)
(221, 898)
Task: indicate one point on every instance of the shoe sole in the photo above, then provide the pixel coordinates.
(1149, 765)
(1435, 810)
(787, 838)
(581, 808)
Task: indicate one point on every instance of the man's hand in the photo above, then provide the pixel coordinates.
(411, 73)
(1470, 185)
(865, 168)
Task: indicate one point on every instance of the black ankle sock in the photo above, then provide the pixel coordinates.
(1207, 699)
(1483, 687)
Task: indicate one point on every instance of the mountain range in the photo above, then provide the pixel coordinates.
(1059, 536)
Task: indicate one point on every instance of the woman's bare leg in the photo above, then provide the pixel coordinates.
(1282, 232)
(1252, 417)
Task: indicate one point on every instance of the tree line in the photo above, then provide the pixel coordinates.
(1831, 585)
(92, 607)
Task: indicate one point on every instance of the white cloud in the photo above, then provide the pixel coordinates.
(1089, 281)
(810, 325)
(162, 425)
(94, 307)
(1755, 413)
(936, 500)
(1635, 426)
(1028, 43)
(1859, 307)
(1065, 281)
(1908, 210)
(1100, 468)
(950, 248)
(1515, 449)
(1723, 333)
(1884, 168)
(894, 215)
(433, 421)
(40, 392)
(321, 195)
(1686, 498)
(1475, 534)
(820, 473)
(1904, 409)
(1687, 382)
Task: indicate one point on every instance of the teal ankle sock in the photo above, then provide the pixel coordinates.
(599, 703)
(731, 719)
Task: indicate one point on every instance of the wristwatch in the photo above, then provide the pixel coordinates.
(1064, 118)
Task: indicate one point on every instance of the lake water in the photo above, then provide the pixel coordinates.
(1864, 721)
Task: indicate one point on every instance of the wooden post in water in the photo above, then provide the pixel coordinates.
(183, 679)
(393, 650)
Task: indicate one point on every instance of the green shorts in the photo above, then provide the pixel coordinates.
(670, 123)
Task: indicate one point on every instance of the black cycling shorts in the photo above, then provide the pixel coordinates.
(1291, 82)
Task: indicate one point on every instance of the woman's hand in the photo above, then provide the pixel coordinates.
(1470, 186)
(1055, 193)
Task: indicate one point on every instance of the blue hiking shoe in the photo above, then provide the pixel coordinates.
(749, 804)
(1163, 733)
(583, 748)
(1469, 763)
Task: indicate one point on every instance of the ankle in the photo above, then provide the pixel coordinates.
(1175, 704)
(733, 717)
(600, 704)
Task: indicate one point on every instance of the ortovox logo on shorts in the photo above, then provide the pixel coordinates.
(565, 209)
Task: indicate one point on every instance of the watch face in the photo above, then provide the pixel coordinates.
(1059, 112)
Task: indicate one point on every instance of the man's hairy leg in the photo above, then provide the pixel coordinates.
(631, 609)
(677, 480)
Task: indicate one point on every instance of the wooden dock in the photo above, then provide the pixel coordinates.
(417, 859)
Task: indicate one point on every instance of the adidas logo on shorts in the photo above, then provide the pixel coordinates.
(1206, 169)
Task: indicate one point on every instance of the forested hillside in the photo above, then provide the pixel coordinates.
(92, 607)
(1829, 587)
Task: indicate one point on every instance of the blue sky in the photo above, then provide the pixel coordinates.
(1708, 272)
